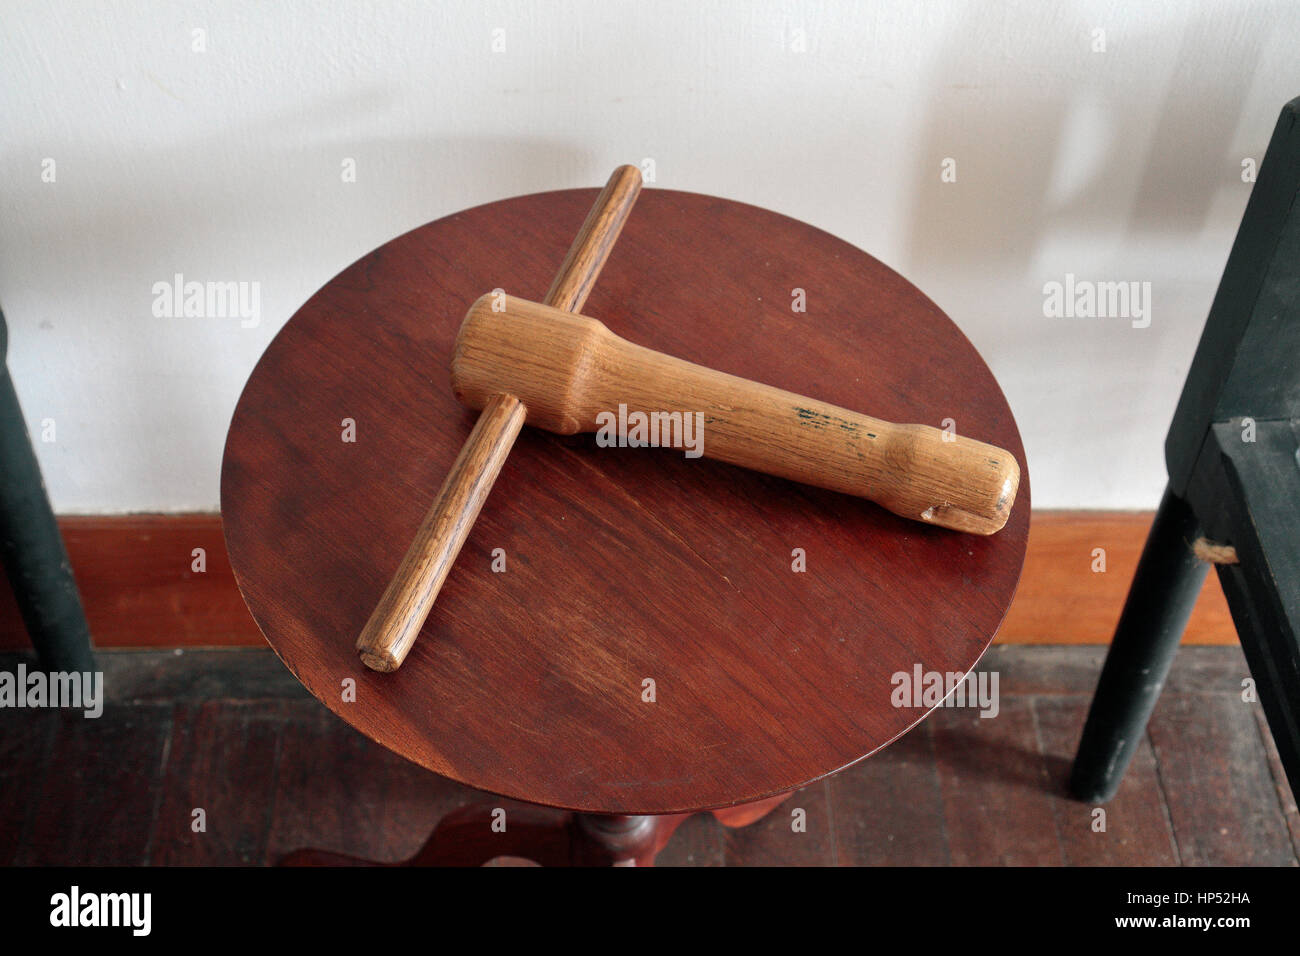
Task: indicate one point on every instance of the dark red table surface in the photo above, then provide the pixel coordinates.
(621, 564)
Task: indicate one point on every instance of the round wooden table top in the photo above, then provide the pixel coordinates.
(622, 566)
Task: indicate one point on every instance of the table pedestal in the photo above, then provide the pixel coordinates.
(473, 835)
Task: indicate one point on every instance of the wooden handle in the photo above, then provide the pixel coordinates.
(573, 374)
(393, 627)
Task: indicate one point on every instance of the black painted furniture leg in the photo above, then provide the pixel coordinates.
(1256, 487)
(32, 551)
(1160, 600)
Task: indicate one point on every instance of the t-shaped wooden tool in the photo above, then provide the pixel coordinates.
(541, 364)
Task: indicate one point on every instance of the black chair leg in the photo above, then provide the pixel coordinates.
(1160, 600)
(31, 548)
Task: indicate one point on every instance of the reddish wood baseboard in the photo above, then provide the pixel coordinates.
(136, 577)
(1062, 600)
(137, 580)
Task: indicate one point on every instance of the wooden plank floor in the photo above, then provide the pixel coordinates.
(229, 732)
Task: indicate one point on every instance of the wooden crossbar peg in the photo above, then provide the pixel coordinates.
(393, 627)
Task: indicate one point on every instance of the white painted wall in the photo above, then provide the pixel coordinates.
(225, 165)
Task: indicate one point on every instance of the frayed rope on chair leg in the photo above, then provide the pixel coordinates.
(1207, 550)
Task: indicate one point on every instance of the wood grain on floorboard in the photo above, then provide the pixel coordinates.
(229, 731)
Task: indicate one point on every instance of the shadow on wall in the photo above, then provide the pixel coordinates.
(1039, 147)
(1078, 170)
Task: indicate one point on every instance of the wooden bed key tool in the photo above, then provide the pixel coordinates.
(542, 364)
